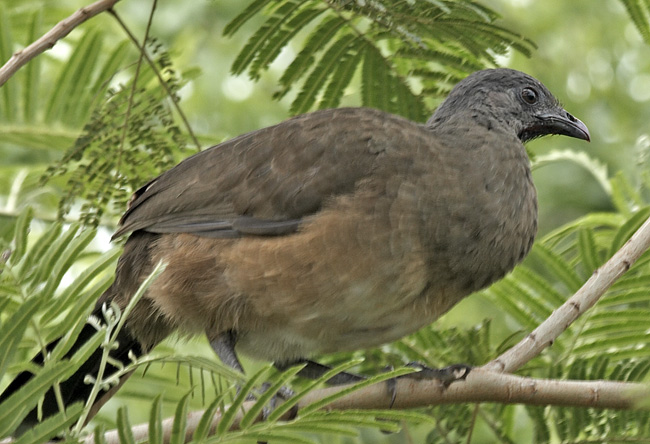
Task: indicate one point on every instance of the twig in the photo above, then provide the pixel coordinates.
(585, 298)
(480, 386)
(161, 81)
(49, 39)
(134, 87)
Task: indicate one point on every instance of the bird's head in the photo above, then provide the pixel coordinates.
(518, 101)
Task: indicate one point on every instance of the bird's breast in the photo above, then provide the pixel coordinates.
(482, 217)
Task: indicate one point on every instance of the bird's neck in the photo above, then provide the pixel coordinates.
(477, 124)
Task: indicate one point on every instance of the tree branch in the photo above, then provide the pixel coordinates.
(480, 386)
(585, 298)
(49, 39)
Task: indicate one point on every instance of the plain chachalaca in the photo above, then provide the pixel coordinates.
(337, 230)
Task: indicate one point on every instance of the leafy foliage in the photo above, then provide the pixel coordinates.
(37, 308)
(130, 137)
(46, 105)
(43, 115)
(408, 52)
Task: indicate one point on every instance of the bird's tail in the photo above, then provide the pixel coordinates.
(142, 331)
(74, 389)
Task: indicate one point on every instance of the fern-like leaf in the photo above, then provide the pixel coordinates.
(453, 38)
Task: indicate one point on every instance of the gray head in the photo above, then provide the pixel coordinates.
(518, 101)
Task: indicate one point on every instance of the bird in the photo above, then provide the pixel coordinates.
(336, 230)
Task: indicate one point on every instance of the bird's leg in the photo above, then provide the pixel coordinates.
(224, 346)
(446, 375)
(314, 370)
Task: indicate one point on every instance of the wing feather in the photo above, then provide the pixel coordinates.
(267, 181)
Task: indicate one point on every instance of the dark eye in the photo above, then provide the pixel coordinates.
(529, 95)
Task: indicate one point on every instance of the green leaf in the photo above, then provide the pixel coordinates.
(20, 234)
(374, 80)
(319, 75)
(64, 257)
(340, 80)
(81, 282)
(228, 416)
(54, 253)
(521, 315)
(52, 426)
(36, 252)
(155, 421)
(592, 165)
(112, 65)
(281, 38)
(180, 420)
(254, 412)
(588, 250)
(549, 295)
(124, 431)
(13, 329)
(558, 266)
(205, 423)
(304, 61)
(77, 72)
(355, 387)
(82, 354)
(625, 197)
(277, 436)
(244, 16)
(98, 435)
(534, 303)
(38, 136)
(14, 409)
(628, 229)
(256, 44)
(290, 403)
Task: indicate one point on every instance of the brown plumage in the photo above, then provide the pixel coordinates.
(340, 229)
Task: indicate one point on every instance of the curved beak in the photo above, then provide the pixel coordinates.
(562, 123)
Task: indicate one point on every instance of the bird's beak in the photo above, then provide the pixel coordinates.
(562, 123)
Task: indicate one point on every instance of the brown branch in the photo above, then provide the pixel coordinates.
(585, 298)
(480, 386)
(49, 39)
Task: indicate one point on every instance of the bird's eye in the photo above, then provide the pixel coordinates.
(529, 95)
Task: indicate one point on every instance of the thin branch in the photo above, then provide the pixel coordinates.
(162, 82)
(134, 87)
(49, 39)
(599, 282)
(480, 386)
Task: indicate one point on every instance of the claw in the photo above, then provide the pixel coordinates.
(446, 375)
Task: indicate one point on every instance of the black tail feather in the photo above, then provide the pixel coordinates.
(73, 389)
